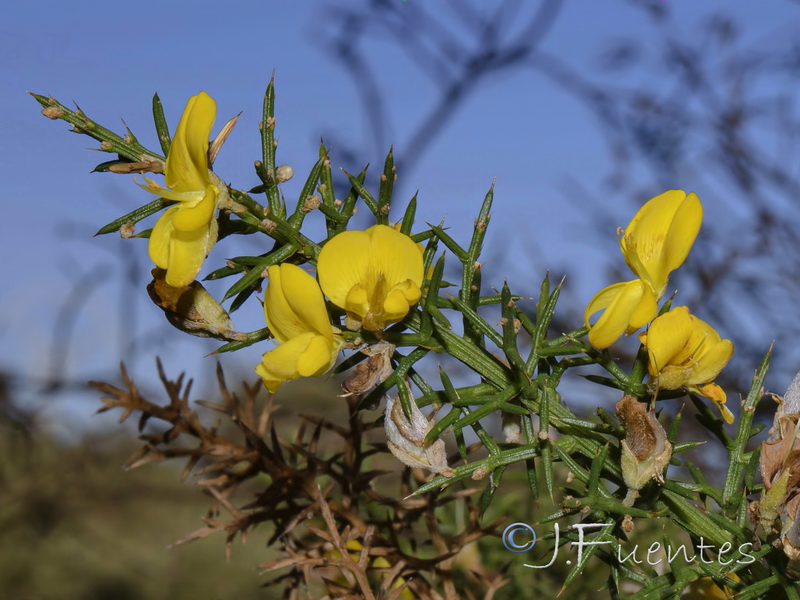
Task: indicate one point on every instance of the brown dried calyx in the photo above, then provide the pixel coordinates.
(780, 469)
(645, 449)
(370, 373)
(192, 309)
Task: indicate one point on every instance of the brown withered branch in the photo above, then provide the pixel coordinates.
(341, 523)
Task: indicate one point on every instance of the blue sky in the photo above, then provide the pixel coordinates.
(110, 58)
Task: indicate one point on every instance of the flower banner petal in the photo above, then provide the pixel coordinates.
(375, 275)
(660, 235)
(187, 163)
(342, 264)
(395, 256)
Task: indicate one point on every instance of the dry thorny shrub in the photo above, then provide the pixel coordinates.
(335, 529)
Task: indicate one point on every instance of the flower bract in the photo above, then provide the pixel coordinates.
(186, 232)
(684, 351)
(655, 243)
(375, 275)
(296, 315)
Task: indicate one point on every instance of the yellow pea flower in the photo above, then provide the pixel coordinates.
(296, 315)
(375, 275)
(186, 232)
(655, 243)
(684, 351)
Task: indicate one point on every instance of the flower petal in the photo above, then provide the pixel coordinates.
(711, 355)
(193, 215)
(683, 231)
(305, 355)
(396, 306)
(660, 235)
(410, 290)
(645, 311)
(717, 395)
(317, 357)
(357, 301)
(293, 304)
(395, 256)
(667, 338)
(374, 274)
(187, 163)
(168, 194)
(187, 251)
(160, 237)
(622, 303)
(343, 263)
(181, 253)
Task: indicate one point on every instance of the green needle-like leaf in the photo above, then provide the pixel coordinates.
(162, 129)
(135, 216)
(408, 217)
(250, 339)
(267, 126)
(302, 209)
(388, 178)
(738, 461)
(369, 200)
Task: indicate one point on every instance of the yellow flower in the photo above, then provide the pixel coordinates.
(186, 232)
(297, 317)
(375, 275)
(684, 351)
(655, 243)
(706, 588)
